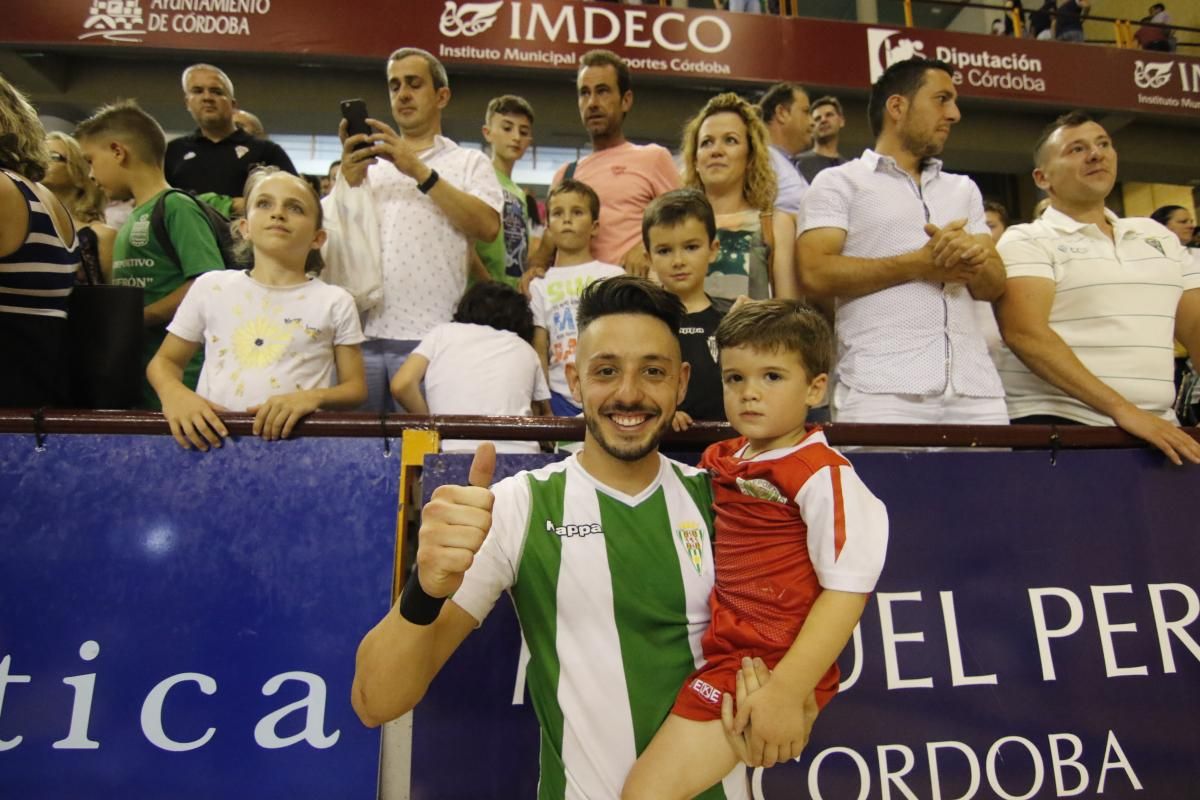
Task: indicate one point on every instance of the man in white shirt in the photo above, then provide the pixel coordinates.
(1094, 301)
(904, 249)
(433, 199)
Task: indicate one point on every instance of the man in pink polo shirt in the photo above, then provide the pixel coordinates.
(626, 176)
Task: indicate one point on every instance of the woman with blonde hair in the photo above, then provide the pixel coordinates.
(38, 259)
(725, 156)
(67, 176)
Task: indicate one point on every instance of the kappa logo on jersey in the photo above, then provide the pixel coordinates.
(761, 488)
(692, 537)
(587, 529)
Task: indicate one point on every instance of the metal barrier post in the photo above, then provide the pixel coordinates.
(908, 14)
(415, 445)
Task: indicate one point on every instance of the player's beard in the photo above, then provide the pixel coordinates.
(627, 451)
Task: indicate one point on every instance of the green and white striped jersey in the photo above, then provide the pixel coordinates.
(612, 594)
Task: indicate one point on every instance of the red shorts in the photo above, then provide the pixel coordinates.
(726, 642)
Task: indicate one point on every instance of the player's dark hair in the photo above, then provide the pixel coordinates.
(498, 305)
(625, 294)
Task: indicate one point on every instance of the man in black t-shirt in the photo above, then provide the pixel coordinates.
(217, 156)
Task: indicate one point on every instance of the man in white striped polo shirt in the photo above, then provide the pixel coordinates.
(904, 248)
(1094, 301)
(607, 556)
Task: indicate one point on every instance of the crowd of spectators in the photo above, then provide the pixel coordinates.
(934, 297)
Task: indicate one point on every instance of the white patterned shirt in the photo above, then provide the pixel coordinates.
(1114, 306)
(424, 255)
(919, 337)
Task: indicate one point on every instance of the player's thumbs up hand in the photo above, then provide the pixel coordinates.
(483, 465)
(454, 524)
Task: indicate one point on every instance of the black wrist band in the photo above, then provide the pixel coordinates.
(415, 605)
(424, 186)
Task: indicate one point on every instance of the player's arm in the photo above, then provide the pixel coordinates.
(1023, 313)
(397, 659)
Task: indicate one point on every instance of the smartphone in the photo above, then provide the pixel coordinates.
(355, 113)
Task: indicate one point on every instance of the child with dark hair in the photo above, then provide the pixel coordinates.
(799, 544)
(480, 363)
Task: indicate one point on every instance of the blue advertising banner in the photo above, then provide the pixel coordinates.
(183, 625)
(1034, 635)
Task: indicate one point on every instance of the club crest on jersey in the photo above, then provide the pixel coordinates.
(586, 529)
(1157, 245)
(692, 537)
(761, 488)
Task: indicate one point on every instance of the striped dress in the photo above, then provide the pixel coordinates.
(35, 286)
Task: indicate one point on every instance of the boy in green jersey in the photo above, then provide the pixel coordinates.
(607, 557)
(125, 147)
(508, 130)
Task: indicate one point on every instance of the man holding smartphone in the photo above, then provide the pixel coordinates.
(433, 201)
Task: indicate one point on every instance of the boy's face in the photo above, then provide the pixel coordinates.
(680, 255)
(768, 394)
(509, 135)
(571, 223)
(106, 157)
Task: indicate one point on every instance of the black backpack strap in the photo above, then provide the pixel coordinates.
(570, 173)
(158, 224)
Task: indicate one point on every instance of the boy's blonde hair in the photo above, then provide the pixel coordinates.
(771, 325)
(126, 122)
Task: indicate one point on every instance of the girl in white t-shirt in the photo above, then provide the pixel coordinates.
(278, 342)
(481, 364)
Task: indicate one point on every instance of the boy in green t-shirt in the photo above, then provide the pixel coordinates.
(508, 130)
(125, 147)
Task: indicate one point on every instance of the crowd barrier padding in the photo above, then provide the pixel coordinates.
(1033, 636)
(183, 625)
